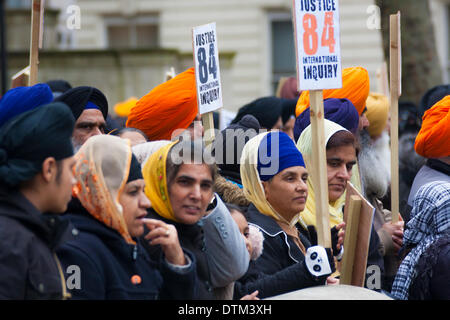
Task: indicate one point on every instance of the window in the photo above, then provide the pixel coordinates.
(18, 4)
(283, 48)
(134, 32)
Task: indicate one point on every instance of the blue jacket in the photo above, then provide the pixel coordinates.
(107, 264)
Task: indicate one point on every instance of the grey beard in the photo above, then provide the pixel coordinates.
(76, 145)
(374, 164)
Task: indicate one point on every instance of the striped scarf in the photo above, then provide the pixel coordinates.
(430, 219)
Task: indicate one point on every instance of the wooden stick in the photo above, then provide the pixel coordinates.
(382, 81)
(395, 91)
(351, 235)
(208, 125)
(35, 39)
(21, 78)
(319, 168)
(170, 74)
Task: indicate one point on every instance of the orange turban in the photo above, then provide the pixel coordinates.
(171, 105)
(122, 109)
(433, 139)
(355, 87)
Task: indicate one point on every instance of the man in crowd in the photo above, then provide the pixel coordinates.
(90, 110)
(36, 158)
(432, 143)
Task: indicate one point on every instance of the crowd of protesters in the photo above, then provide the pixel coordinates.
(132, 204)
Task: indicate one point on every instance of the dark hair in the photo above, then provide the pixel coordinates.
(120, 131)
(189, 152)
(231, 207)
(343, 138)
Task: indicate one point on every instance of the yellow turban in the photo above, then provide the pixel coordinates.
(355, 87)
(122, 109)
(433, 139)
(377, 113)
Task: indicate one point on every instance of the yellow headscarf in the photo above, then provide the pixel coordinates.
(101, 170)
(304, 144)
(154, 173)
(253, 188)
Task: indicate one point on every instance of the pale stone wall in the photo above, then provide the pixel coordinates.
(119, 74)
(243, 27)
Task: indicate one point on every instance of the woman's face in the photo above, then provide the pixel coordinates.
(287, 191)
(135, 204)
(190, 192)
(340, 162)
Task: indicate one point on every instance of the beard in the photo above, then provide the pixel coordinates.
(76, 145)
(374, 163)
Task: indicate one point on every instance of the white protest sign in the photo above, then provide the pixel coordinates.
(317, 40)
(207, 71)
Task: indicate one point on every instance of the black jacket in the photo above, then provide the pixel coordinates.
(192, 238)
(107, 265)
(281, 266)
(28, 265)
(433, 273)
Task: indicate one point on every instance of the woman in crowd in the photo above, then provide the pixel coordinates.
(110, 218)
(274, 178)
(179, 182)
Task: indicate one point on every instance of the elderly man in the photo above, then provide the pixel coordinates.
(374, 162)
(90, 109)
(36, 158)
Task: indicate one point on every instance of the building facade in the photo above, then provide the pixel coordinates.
(256, 36)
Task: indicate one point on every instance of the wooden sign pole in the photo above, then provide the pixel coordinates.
(21, 78)
(395, 92)
(351, 235)
(358, 217)
(208, 126)
(37, 11)
(319, 173)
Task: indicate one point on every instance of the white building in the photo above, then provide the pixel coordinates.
(259, 32)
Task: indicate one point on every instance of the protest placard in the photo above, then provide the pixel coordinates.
(318, 47)
(207, 75)
(317, 43)
(358, 216)
(207, 71)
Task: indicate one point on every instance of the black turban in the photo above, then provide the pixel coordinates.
(266, 110)
(135, 169)
(77, 98)
(228, 146)
(28, 139)
(432, 96)
(58, 87)
(288, 109)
